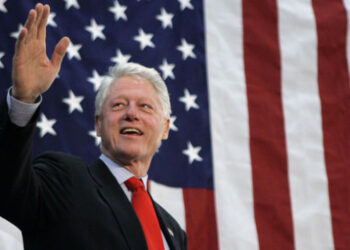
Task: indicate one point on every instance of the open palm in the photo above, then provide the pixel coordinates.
(33, 73)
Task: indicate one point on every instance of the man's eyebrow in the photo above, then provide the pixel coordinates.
(118, 97)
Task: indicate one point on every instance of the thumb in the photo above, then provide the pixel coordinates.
(60, 51)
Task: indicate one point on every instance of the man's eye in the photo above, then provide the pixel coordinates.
(145, 106)
(118, 105)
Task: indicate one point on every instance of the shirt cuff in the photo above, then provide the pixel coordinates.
(20, 113)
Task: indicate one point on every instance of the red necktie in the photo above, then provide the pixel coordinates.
(144, 209)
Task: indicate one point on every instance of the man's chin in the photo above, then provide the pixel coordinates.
(128, 155)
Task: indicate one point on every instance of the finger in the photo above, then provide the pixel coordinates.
(21, 39)
(43, 22)
(60, 51)
(39, 8)
(30, 20)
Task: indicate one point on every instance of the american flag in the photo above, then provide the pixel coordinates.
(259, 151)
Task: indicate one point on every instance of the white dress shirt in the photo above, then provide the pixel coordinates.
(20, 113)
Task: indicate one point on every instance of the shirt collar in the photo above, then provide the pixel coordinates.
(120, 173)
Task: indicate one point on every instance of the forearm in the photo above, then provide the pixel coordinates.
(15, 155)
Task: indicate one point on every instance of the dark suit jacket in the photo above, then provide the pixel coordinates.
(61, 203)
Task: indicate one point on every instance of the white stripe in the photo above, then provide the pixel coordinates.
(347, 7)
(10, 236)
(302, 110)
(171, 199)
(229, 125)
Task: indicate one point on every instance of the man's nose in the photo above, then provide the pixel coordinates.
(131, 112)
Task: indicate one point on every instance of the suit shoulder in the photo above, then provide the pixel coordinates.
(53, 155)
(57, 160)
(57, 156)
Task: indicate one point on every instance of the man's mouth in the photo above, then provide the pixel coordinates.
(131, 131)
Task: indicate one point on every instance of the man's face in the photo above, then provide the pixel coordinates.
(131, 123)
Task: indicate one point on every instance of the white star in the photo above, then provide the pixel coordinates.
(50, 20)
(97, 138)
(73, 51)
(186, 49)
(185, 4)
(2, 6)
(167, 69)
(72, 3)
(16, 33)
(1, 55)
(192, 153)
(95, 30)
(172, 123)
(144, 39)
(118, 11)
(45, 126)
(165, 18)
(120, 58)
(96, 80)
(73, 102)
(189, 100)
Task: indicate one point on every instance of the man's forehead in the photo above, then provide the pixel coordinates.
(130, 82)
(125, 85)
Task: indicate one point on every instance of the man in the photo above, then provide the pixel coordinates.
(57, 201)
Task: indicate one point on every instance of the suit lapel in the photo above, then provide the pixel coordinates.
(166, 229)
(121, 208)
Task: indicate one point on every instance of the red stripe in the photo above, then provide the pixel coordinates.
(201, 227)
(272, 204)
(333, 80)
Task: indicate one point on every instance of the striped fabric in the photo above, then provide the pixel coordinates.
(280, 124)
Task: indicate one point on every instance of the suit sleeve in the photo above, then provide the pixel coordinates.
(15, 155)
(31, 193)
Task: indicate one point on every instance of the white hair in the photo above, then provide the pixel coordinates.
(134, 69)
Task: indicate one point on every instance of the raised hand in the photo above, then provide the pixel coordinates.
(32, 71)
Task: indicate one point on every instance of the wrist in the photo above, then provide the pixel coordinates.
(23, 98)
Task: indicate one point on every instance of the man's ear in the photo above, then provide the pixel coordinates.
(166, 129)
(98, 125)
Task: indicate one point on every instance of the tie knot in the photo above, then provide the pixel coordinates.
(133, 183)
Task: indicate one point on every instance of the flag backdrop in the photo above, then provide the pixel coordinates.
(259, 149)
